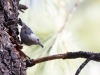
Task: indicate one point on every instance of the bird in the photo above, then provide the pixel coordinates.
(28, 37)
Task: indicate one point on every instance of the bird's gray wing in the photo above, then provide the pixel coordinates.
(28, 31)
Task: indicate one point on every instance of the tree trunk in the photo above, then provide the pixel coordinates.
(11, 62)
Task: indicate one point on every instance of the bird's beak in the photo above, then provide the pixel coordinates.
(40, 44)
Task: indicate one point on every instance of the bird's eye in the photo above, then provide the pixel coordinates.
(37, 39)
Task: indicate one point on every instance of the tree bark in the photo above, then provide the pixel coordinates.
(11, 61)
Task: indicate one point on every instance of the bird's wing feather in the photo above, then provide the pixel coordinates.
(28, 31)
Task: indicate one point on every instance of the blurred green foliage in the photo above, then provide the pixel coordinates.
(46, 17)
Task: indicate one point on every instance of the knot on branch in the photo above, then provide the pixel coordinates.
(22, 7)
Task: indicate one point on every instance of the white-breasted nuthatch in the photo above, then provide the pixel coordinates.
(28, 37)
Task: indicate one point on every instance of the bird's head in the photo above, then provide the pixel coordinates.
(39, 43)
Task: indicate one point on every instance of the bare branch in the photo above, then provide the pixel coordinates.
(83, 64)
(69, 55)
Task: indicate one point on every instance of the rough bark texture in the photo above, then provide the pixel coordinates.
(11, 62)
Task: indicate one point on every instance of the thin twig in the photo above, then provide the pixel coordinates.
(69, 55)
(43, 59)
(70, 14)
(83, 64)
